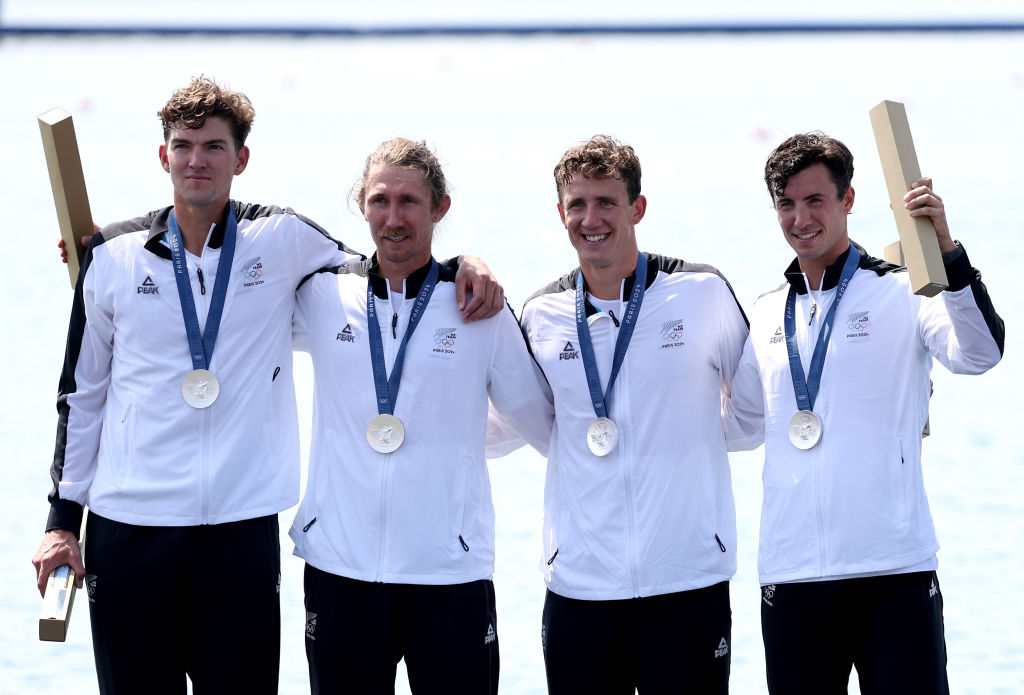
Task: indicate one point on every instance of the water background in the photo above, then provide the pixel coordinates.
(702, 112)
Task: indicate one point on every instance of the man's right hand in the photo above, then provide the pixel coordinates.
(59, 547)
(84, 241)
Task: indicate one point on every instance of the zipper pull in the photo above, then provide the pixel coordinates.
(394, 326)
(614, 320)
(202, 284)
(814, 310)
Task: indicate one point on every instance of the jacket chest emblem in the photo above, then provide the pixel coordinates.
(345, 335)
(444, 343)
(568, 352)
(672, 334)
(858, 326)
(148, 287)
(252, 272)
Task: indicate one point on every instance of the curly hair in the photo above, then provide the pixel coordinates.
(401, 152)
(801, 151)
(600, 157)
(203, 98)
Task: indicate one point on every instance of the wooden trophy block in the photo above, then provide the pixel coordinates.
(899, 163)
(57, 601)
(68, 183)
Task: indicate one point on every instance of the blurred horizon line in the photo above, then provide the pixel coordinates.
(514, 29)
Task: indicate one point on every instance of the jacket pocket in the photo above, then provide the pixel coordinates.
(129, 442)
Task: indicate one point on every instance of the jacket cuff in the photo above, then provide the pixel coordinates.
(67, 516)
(959, 272)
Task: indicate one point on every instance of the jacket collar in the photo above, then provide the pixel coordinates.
(157, 241)
(627, 288)
(795, 276)
(413, 282)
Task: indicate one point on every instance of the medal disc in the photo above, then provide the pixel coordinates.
(602, 436)
(385, 433)
(200, 388)
(804, 429)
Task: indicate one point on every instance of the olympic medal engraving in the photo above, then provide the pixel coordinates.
(804, 429)
(385, 433)
(200, 388)
(602, 436)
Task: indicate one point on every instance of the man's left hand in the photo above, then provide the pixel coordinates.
(478, 294)
(921, 201)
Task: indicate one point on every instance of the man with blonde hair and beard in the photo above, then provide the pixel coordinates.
(397, 523)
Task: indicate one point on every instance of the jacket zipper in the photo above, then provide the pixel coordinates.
(807, 349)
(204, 464)
(623, 454)
(385, 484)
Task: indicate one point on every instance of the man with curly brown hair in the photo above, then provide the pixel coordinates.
(184, 454)
(639, 350)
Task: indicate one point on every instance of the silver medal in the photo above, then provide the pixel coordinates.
(602, 436)
(200, 388)
(385, 433)
(804, 429)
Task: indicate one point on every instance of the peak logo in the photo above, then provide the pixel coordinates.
(778, 337)
(569, 352)
(147, 287)
(346, 335)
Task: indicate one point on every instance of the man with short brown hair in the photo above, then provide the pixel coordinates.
(639, 524)
(847, 556)
(183, 453)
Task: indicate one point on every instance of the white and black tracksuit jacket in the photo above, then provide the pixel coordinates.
(422, 514)
(656, 515)
(128, 446)
(855, 504)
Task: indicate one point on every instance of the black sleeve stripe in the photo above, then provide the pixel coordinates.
(526, 340)
(360, 268)
(566, 282)
(63, 513)
(254, 211)
(670, 265)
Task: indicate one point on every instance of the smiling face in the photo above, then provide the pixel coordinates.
(600, 221)
(202, 163)
(398, 206)
(812, 215)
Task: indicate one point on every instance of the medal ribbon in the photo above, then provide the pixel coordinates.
(807, 389)
(387, 387)
(201, 346)
(636, 298)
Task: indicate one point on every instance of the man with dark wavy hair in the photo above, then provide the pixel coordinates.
(184, 454)
(847, 557)
(639, 350)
